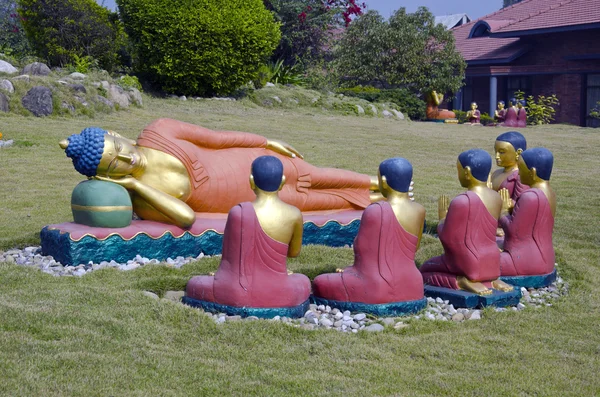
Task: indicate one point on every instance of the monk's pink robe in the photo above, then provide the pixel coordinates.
(514, 185)
(510, 119)
(528, 249)
(522, 118)
(252, 272)
(468, 236)
(219, 162)
(501, 115)
(384, 269)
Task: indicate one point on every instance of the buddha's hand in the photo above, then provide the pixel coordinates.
(283, 148)
(507, 203)
(128, 182)
(443, 205)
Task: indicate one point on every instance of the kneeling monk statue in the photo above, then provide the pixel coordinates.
(467, 231)
(176, 169)
(252, 278)
(384, 279)
(528, 247)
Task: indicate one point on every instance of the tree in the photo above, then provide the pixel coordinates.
(12, 36)
(61, 31)
(408, 51)
(199, 47)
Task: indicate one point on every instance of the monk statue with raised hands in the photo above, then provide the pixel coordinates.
(467, 231)
(252, 278)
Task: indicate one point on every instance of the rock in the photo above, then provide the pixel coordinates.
(37, 69)
(337, 324)
(360, 110)
(4, 107)
(476, 315)
(68, 106)
(398, 114)
(308, 327)
(439, 300)
(23, 77)
(77, 76)
(388, 321)
(174, 296)
(117, 95)
(251, 318)
(374, 328)
(234, 318)
(6, 67)
(81, 100)
(325, 322)
(269, 85)
(38, 101)
(6, 85)
(9, 259)
(400, 325)
(105, 101)
(360, 316)
(78, 88)
(458, 317)
(135, 96)
(150, 295)
(373, 109)
(276, 99)
(429, 316)
(79, 272)
(105, 84)
(339, 315)
(387, 114)
(182, 98)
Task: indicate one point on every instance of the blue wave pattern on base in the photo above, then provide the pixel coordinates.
(380, 310)
(540, 281)
(260, 312)
(470, 300)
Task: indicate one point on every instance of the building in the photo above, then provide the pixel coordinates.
(536, 46)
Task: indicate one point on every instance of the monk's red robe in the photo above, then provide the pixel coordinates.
(468, 236)
(501, 115)
(528, 246)
(384, 268)
(252, 272)
(514, 185)
(219, 162)
(510, 120)
(522, 118)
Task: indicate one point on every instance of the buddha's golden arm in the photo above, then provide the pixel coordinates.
(174, 209)
(296, 243)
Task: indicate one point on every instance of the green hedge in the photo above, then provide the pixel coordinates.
(408, 103)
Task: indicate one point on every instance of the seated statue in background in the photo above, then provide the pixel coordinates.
(508, 148)
(528, 226)
(384, 269)
(176, 169)
(258, 238)
(500, 113)
(467, 231)
(474, 115)
(433, 100)
(521, 114)
(510, 118)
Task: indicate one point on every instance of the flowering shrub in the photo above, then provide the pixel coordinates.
(540, 111)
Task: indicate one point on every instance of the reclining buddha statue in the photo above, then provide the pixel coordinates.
(176, 169)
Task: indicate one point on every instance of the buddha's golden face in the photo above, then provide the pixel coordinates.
(506, 155)
(500, 106)
(119, 158)
(473, 106)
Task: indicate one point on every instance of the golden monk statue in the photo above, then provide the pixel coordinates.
(474, 115)
(433, 112)
(175, 170)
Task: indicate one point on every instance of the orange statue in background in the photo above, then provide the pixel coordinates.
(433, 112)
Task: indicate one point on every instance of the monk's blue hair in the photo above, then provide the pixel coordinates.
(502, 102)
(541, 159)
(398, 173)
(516, 139)
(267, 172)
(85, 149)
(513, 101)
(479, 161)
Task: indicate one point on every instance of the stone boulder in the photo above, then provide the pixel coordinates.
(117, 95)
(78, 88)
(23, 77)
(4, 103)
(77, 76)
(101, 99)
(38, 101)
(6, 67)
(387, 114)
(36, 69)
(399, 115)
(135, 96)
(6, 85)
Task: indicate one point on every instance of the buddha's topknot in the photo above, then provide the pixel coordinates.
(86, 150)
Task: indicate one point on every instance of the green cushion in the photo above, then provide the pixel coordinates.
(101, 204)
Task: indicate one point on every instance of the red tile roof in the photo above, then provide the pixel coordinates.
(523, 16)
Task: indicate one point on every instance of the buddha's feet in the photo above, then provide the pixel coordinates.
(472, 286)
(502, 286)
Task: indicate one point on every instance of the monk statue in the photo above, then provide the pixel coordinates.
(474, 115)
(521, 114)
(508, 148)
(258, 238)
(510, 118)
(467, 231)
(390, 231)
(500, 113)
(433, 112)
(175, 170)
(528, 226)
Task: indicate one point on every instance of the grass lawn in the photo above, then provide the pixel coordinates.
(99, 335)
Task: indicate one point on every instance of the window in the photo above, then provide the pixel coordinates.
(592, 99)
(517, 83)
(480, 29)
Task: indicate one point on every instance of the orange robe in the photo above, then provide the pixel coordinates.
(219, 162)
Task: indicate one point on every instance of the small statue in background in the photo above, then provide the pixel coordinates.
(529, 222)
(252, 278)
(384, 279)
(500, 113)
(474, 115)
(433, 112)
(467, 231)
(510, 118)
(521, 114)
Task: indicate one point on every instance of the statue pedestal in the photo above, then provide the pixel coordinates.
(391, 309)
(260, 312)
(538, 281)
(72, 244)
(464, 299)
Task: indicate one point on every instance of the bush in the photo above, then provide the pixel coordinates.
(486, 119)
(407, 102)
(461, 116)
(62, 31)
(540, 111)
(13, 41)
(595, 112)
(199, 47)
